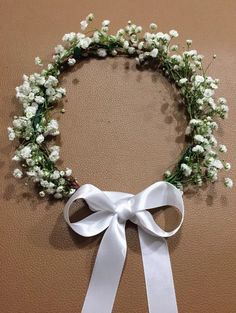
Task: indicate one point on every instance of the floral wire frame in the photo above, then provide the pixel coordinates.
(201, 159)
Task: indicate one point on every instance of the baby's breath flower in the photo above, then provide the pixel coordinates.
(83, 24)
(40, 139)
(199, 138)
(188, 130)
(71, 61)
(17, 173)
(140, 45)
(70, 37)
(54, 148)
(55, 175)
(85, 42)
(114, 52)
(198, 149)
(126, 44)
(51, 81)
(174, 48)
(30, 111)
(71, 191)
(11, 133)
(199, 79)
(25, 152)
(173, 33)
(222, 100)
(138, 29)
(39, 99)
(212, 174)
(154, 53)
(227, 166)
(208, 93)
(216, 163)
(38, 61)
(213, 141)
(189, 42)
(105, 23)
(222, 148)
(16, 158)
(57, 195)
(228, 182)
(167, 174)
(186, 169)
(54, 156)
(182, 81)
(42, 194)
(68, 172)
(59, 189)
(90, 17)
(131, 50)
(59, 49)
(153, 26)
(101, 53)
(52, 128)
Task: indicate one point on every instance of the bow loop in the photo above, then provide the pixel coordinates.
(96, 199)
(157, 195)
(96, 222)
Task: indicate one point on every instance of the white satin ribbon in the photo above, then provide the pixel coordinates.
(111, 211)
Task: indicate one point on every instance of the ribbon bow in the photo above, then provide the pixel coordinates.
(112, 210)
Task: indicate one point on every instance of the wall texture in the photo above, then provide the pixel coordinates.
(122, 129)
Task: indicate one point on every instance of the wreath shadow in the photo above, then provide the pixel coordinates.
(63, 238)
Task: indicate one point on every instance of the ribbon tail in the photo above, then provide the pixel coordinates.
(158, 274)
(107, 270)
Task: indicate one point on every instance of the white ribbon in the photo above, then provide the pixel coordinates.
(112, 210)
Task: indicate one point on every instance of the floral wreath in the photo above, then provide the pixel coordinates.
(200, 161)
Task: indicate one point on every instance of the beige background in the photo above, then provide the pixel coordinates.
(122, 129)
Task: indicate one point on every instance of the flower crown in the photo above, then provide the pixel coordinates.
(39, 93)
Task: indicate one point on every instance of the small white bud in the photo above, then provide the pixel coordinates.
(90, 17)
(228, 182)
(42, 194)
(40, 139)
(83, 25)
(71, 61)
(38, 61)
(17, 173)
(153, 26)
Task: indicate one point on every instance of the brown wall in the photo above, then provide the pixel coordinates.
(114, 134)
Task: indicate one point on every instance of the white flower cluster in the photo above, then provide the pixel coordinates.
(37, 93)
(199, 163)
(204, 148)
(53, 181)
